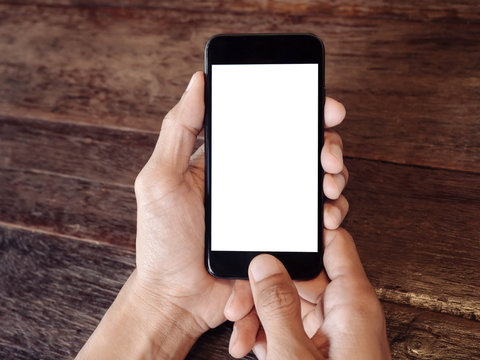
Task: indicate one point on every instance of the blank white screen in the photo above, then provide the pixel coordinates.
(264, 157)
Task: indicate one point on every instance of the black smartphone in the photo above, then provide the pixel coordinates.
(264, 100)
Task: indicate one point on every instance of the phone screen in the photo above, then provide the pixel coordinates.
(265, 157)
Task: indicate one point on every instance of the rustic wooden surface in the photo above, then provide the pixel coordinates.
(50, 74)
(84, 86)
(96, 163)
(74, 282)
(423, 10)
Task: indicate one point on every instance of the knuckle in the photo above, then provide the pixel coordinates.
(170, 117)
(362, 306)
(145, 185)
(368, 307)
(278, 301)
(364, 292)
(140, 183)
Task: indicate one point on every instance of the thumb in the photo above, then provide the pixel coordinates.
(277, 303)
(180, 128)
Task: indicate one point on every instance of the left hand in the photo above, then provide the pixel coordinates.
(171, 217)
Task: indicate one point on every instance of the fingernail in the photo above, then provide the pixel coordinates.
(229, 301)
(190, 83)
(260, 351)
(333, 217)
(264, 266)
(233, 337)
(336, 151)
(340, 180)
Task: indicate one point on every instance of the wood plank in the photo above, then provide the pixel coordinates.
(76, 207)
(417, 231)
(113, 156)
(95, 153)
(425, 10)
(415, 227)
(71, 179)
(54, 290)
(414, 102)
(418, 334)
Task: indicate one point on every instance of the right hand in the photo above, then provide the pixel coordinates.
(346, 320)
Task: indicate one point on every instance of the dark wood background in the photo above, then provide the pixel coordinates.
(84, 86)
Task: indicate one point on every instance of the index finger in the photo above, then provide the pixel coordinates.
(334, 112)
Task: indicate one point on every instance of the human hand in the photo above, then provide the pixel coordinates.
(171, 218)
(345, 319)
(170, 225)
(170, 299)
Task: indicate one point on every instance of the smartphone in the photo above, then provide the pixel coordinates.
(264, 100)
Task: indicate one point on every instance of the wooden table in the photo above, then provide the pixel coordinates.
(84, 86)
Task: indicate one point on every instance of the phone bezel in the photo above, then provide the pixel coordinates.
(262, 49)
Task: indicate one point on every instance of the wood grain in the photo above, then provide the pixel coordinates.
(106, 155)
(79, 208)
(421, 227)
(95, 153)
(84, 86)
(419, 334)
(54, 290)
(415, 227)
(425, 10)
(124, 67)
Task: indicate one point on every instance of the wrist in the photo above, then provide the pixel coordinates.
(170, 329)
(141, 324)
